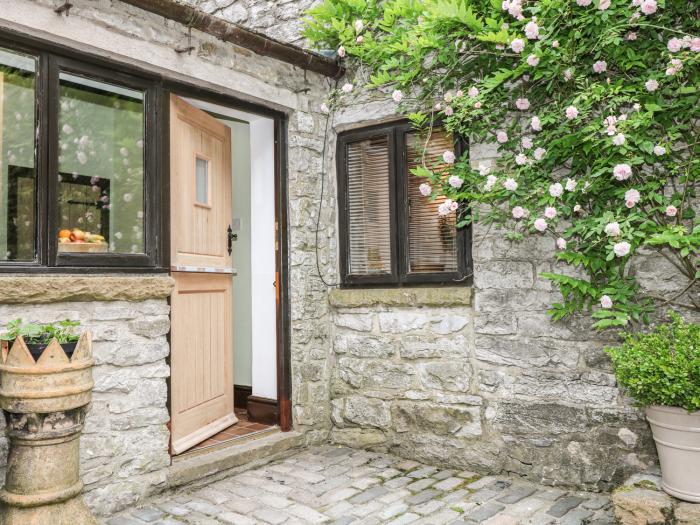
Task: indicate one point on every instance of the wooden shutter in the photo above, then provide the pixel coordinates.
(432, 240)
(368, 186)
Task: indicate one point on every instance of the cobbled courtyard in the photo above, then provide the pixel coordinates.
(341, 486)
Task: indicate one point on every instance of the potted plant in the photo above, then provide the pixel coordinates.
(661, 371)
(38, 336)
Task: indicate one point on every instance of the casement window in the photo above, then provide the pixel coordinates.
(77, 164)
(389, 233)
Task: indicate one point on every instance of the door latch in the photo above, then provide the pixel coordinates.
(231, 237)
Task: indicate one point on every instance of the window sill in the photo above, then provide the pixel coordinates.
(437, 296)
(42, 289)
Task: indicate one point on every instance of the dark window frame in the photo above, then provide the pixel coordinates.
(50, 63)
(398, 209)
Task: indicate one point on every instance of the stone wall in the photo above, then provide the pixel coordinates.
(124, 448)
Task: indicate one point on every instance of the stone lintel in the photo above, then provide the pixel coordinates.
(433, 296)
(44, 289)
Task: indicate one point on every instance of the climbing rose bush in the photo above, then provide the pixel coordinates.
(593, 105)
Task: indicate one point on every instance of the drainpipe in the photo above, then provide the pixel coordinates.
(229, 32)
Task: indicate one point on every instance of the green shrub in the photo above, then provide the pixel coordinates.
(661, 367)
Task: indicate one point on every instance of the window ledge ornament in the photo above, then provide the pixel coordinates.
(433, 296)
(45, 289)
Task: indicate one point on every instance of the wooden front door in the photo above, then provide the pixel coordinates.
(201, 382)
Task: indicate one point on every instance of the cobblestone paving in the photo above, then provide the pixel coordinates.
(342, 486)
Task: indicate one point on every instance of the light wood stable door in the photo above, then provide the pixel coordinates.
(202, 318)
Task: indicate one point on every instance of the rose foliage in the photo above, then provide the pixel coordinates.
(593, 105)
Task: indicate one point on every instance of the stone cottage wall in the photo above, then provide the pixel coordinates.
(124, 448)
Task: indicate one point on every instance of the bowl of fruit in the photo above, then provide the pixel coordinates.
(79, 241)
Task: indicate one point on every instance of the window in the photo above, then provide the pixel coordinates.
(390, 234)
(77, 164)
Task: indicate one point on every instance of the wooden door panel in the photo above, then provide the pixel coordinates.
(201, 358)
(201, 386)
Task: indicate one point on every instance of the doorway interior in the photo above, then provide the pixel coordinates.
(236, 298)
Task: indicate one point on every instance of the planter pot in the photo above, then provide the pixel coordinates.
(677, 436)
(36, 349)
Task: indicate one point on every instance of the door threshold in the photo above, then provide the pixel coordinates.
(210, 446)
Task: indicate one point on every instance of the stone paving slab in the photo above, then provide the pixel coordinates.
(342, 486)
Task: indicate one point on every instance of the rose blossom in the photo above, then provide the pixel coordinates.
(341, 52)
(561, 243)
(359, 25)
(455, 181)
(526, 142)
(490, 182)
(604, 4)
(618, 139)
(577, 208)
(502, 137)
(533, 60)
(522, 104)
(612, 229)
(695, 45)
(449, 111)
(600, 66)
(583, 3)
(473, 92)
(484, 169)
(532, 30)
(621, 248)
(347, 88)
(447, 97)
(517, 45)
(606, 302)
(550, 212)
(521, 159)
(622, 171)
(540, 225)
(659, 150)
(570, 185)
(518, 212)
(568, 74)
(536, 123)
(449, 157)
(477, 105)
(631, 36)
(397, 95)
(360, 39)
(425, 189)
(571, 112)
(556, 190)
(510, 184)
(675, 45)
(632, 197)
(555, 44)
(648, 7)
(671, 210)
(539, 153)
(651, 85)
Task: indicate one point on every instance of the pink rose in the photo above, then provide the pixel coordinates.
(631, 36)
(606, 302)
(632, 197)
(533, 60)
(518, 212)
(571, 112)
(568, 74)
(347, 87)
(577, 208)
(570, 185)
(556, 190)
(341, 52)
(449, 111)
(473, 92)
(618, 139)
(651, 85)
(397, 95)
(659, 150)
(583, 3)
(612, 229)
(521, 159)
(360, 39)
(449, 157)
(539, 153)
(622, 171)
(671, 210)
(359, 25)
(621, 248)
(648, 7)
(501, 137)
(532, 31)
(455, 181)
(510, 184)
(526, 142)
(425, 189)
(550, 212)
(695, 45)
(604, 4)
(561, 243)
(536, 123)
(540, 225)
(517, 45)
(522, 104)
(600, 66)
(675, 45)
(490, 182)
(477, 105)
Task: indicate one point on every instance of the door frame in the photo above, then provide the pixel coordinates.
(280, 119)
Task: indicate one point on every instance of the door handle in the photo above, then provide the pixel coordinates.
(231, 237)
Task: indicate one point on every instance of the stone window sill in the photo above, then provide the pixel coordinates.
(436, 296)
(34, 289)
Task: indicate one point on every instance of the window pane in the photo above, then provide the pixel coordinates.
(17, 157)
(432, 239)
(101, 167)
(369, 223)
(202, 181)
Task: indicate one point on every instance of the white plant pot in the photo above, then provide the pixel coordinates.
(677, 436)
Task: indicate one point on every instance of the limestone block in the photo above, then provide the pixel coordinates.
(367, 411)
(528, 418)
(528, 352)
(364, 373)
(504, 274)
(400, 321)
(637, 506)
(687, 513)
(418, 416)
(363, 345)
(420, 347)
(357, 437)
(446, 375)
(358, 322)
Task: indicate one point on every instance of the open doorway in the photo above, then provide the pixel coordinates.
(224, 373)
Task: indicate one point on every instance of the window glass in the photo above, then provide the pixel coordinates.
(202, 181)
(101, 167)
(369, 214)
(17, 157)
(432, 239)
